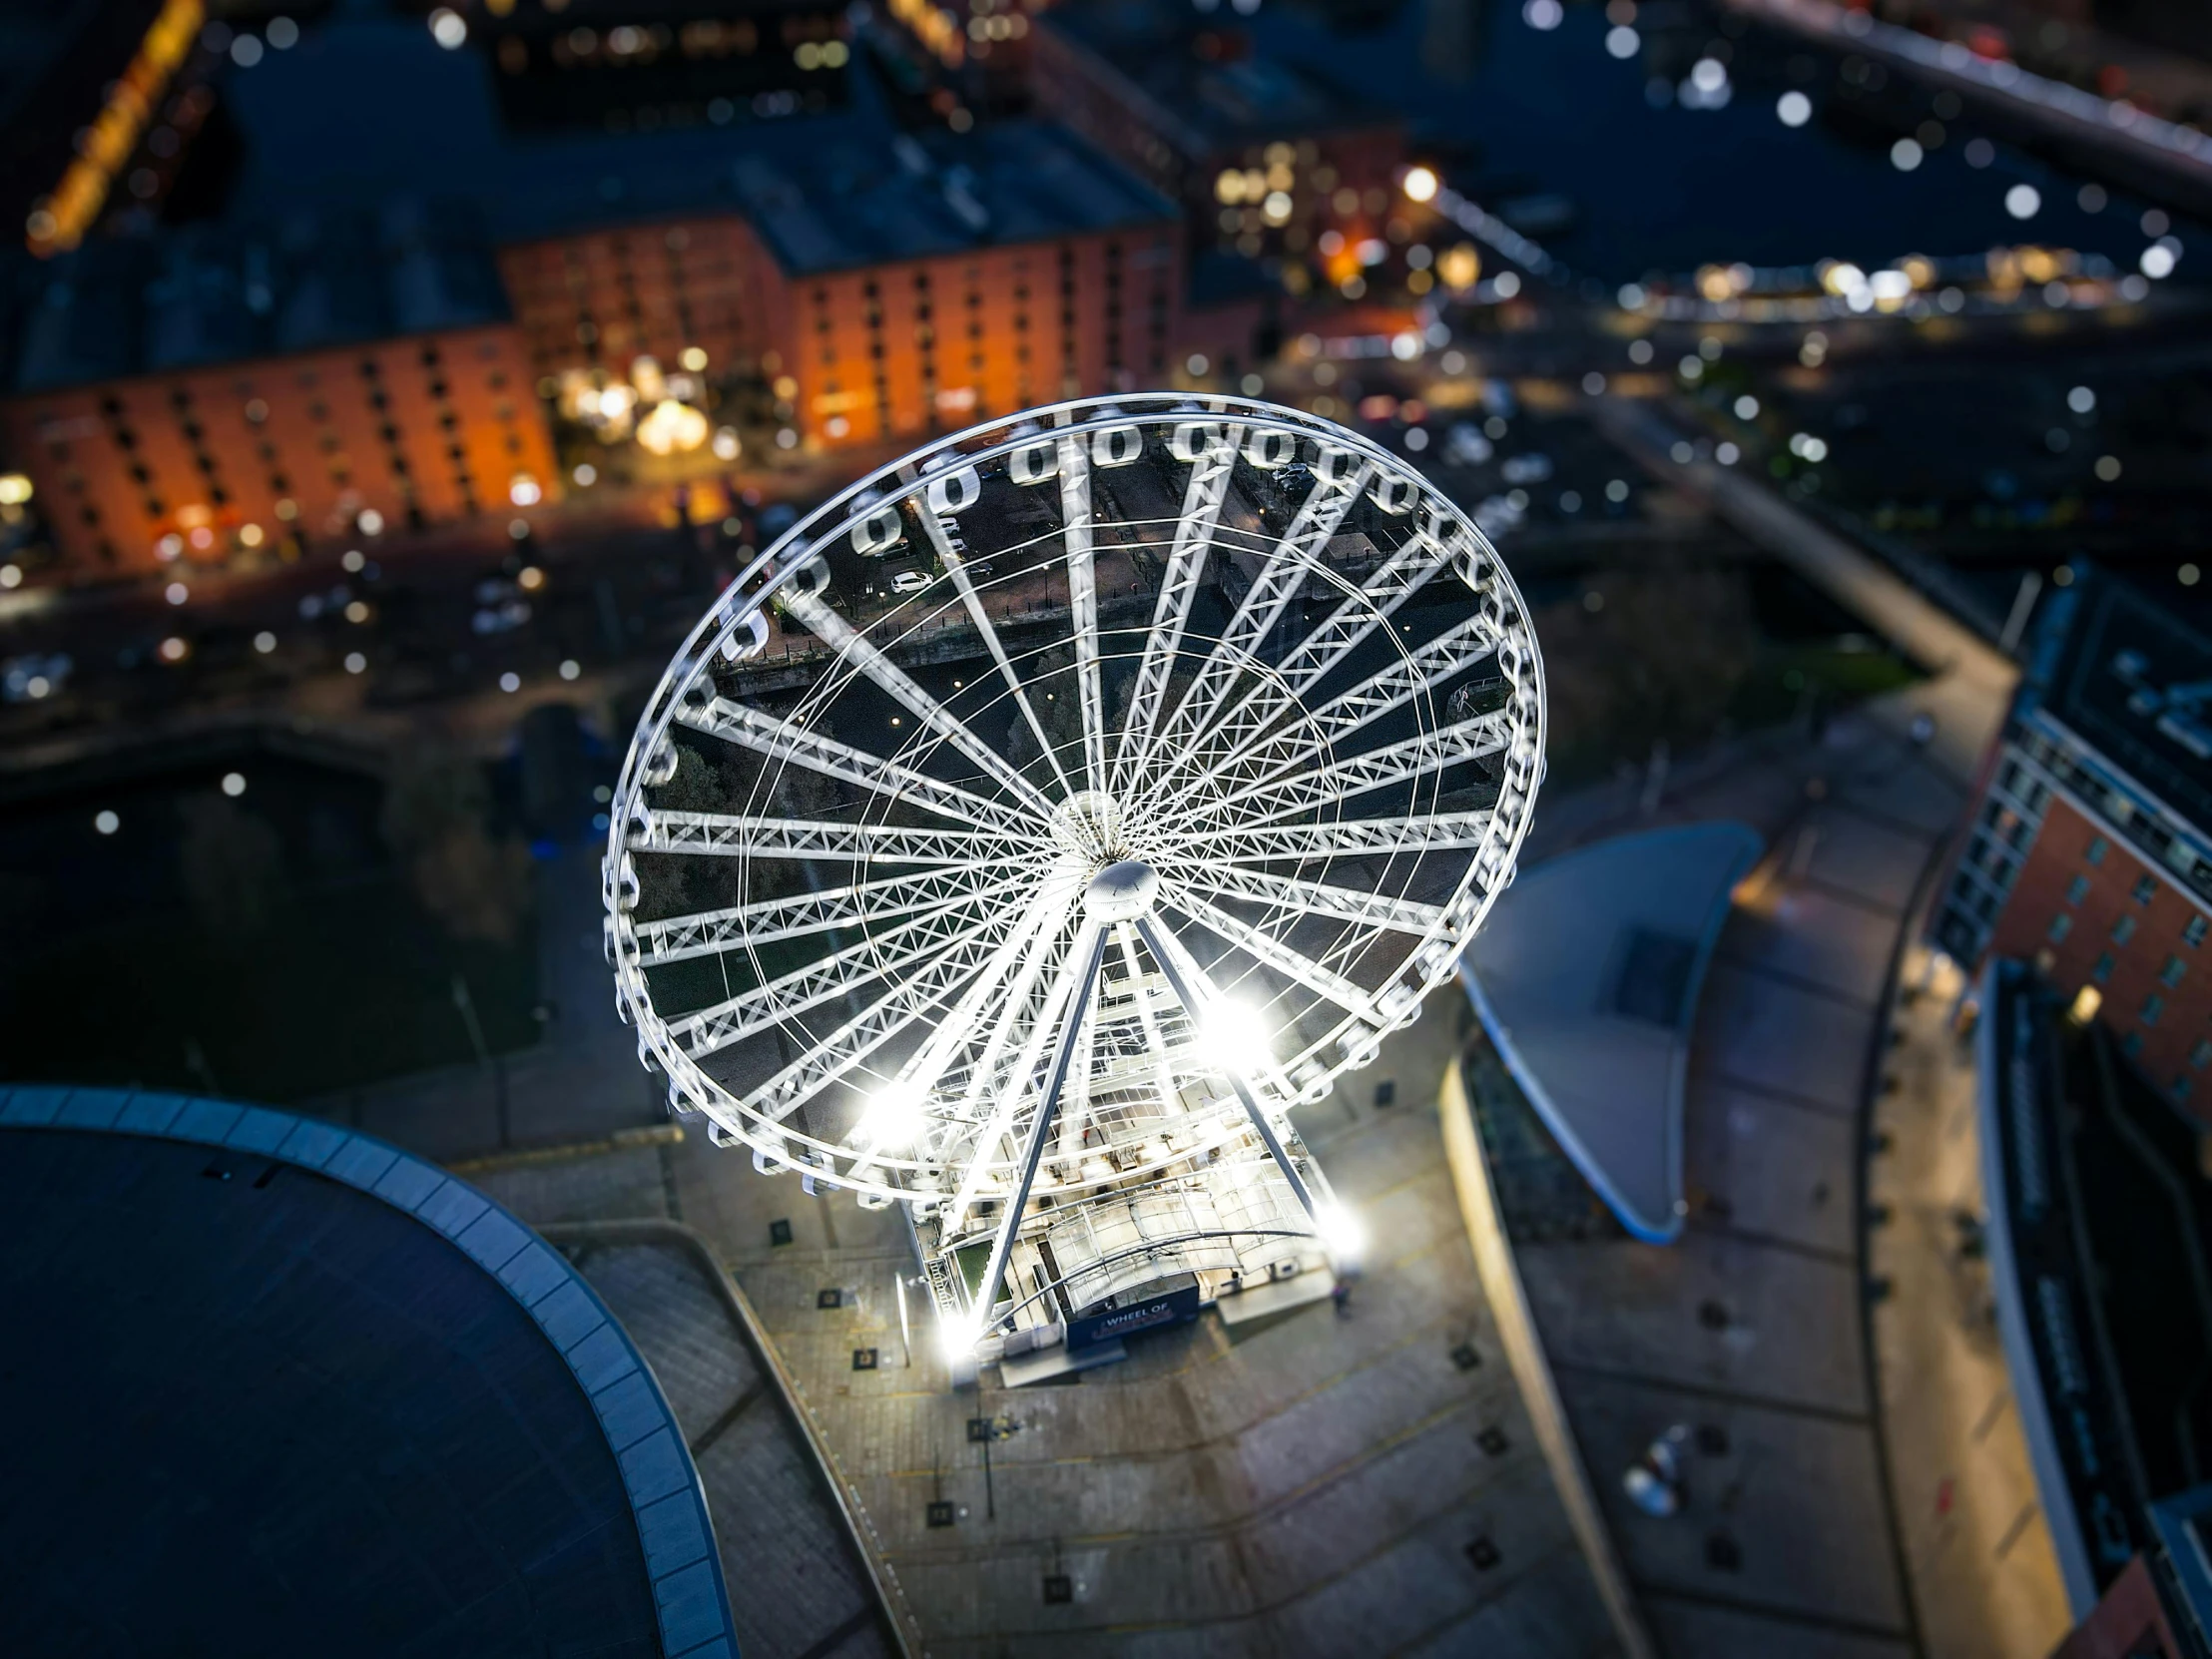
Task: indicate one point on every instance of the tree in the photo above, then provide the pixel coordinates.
(436, 819)
(233, 866)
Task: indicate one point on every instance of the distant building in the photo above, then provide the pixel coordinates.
(614, 66)
(1262, 156)
(573, 198)
(2091, 849)
(880, 285)
(227, 390)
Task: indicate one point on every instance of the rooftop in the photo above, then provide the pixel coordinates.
(2098, 1218)
(1206, 88)
(341, 223)
(2129, 676)
(212, 294)
(286, 1388)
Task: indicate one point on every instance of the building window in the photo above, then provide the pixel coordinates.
(2097, 849)
(2104, 969)
(2124, 929)
(2173, 970)
(2193, 934)
(2146, 885)
(2078, 889)
(2060, 926)
(2153, 1006)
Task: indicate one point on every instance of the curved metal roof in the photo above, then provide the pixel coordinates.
(279, 1387)
(1586, 977)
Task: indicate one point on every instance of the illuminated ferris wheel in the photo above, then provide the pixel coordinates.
(1038, 822)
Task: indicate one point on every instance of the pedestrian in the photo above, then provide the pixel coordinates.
(1654, 1481)
(1341, 1294)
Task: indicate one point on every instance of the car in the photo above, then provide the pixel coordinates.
(28, 679)
(1466, 445)
(503, 618)
(909, 581)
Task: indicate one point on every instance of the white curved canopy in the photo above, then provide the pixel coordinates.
(1586, 977)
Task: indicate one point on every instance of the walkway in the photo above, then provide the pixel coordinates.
(1748, 1330)
(1968, 1507)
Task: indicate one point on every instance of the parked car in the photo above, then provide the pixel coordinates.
(29, 679)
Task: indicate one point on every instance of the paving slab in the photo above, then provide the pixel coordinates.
(1792, 1496)
(1760, 1165)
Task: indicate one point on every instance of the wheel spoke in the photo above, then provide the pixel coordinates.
(1342, 838)
(765, 923)
(1316, 899)
(832, 1056)
(780, 741)
(1288, 789)
(1267, 949)
(1018, 1077)
(1203, 499)
(749, 1013)
(1155, 1045)
(956, 565)
(921, 1074)
(1277, 582)
(733, 836)
(1239, 733)
(1076, 539)
(855, 648)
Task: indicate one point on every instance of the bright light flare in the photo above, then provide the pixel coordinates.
(1420, 183)
(672, 429)
(1235, 1037)
(893, 1117)
(1341, 1232)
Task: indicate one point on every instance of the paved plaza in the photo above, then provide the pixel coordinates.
(1325, 1485)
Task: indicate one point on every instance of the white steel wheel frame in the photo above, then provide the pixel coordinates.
(911, 952)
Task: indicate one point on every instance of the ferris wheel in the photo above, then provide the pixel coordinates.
(1043, 818)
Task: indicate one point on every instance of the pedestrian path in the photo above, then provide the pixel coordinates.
(1748, 1334)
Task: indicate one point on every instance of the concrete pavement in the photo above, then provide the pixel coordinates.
(1748, 1333)
(1357, 1485)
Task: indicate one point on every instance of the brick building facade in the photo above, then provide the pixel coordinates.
(884, 289)
(218, 393)
(603, 296)
(227, 395)
(2088, 854)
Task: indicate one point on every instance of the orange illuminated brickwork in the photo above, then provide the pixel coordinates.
(939, 343)
(609, 296)
(244, 456)
(883, 351)
(2090, 911)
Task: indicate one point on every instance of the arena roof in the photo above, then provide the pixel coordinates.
(280, 1387)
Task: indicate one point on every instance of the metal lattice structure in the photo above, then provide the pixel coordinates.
(1037, 821)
